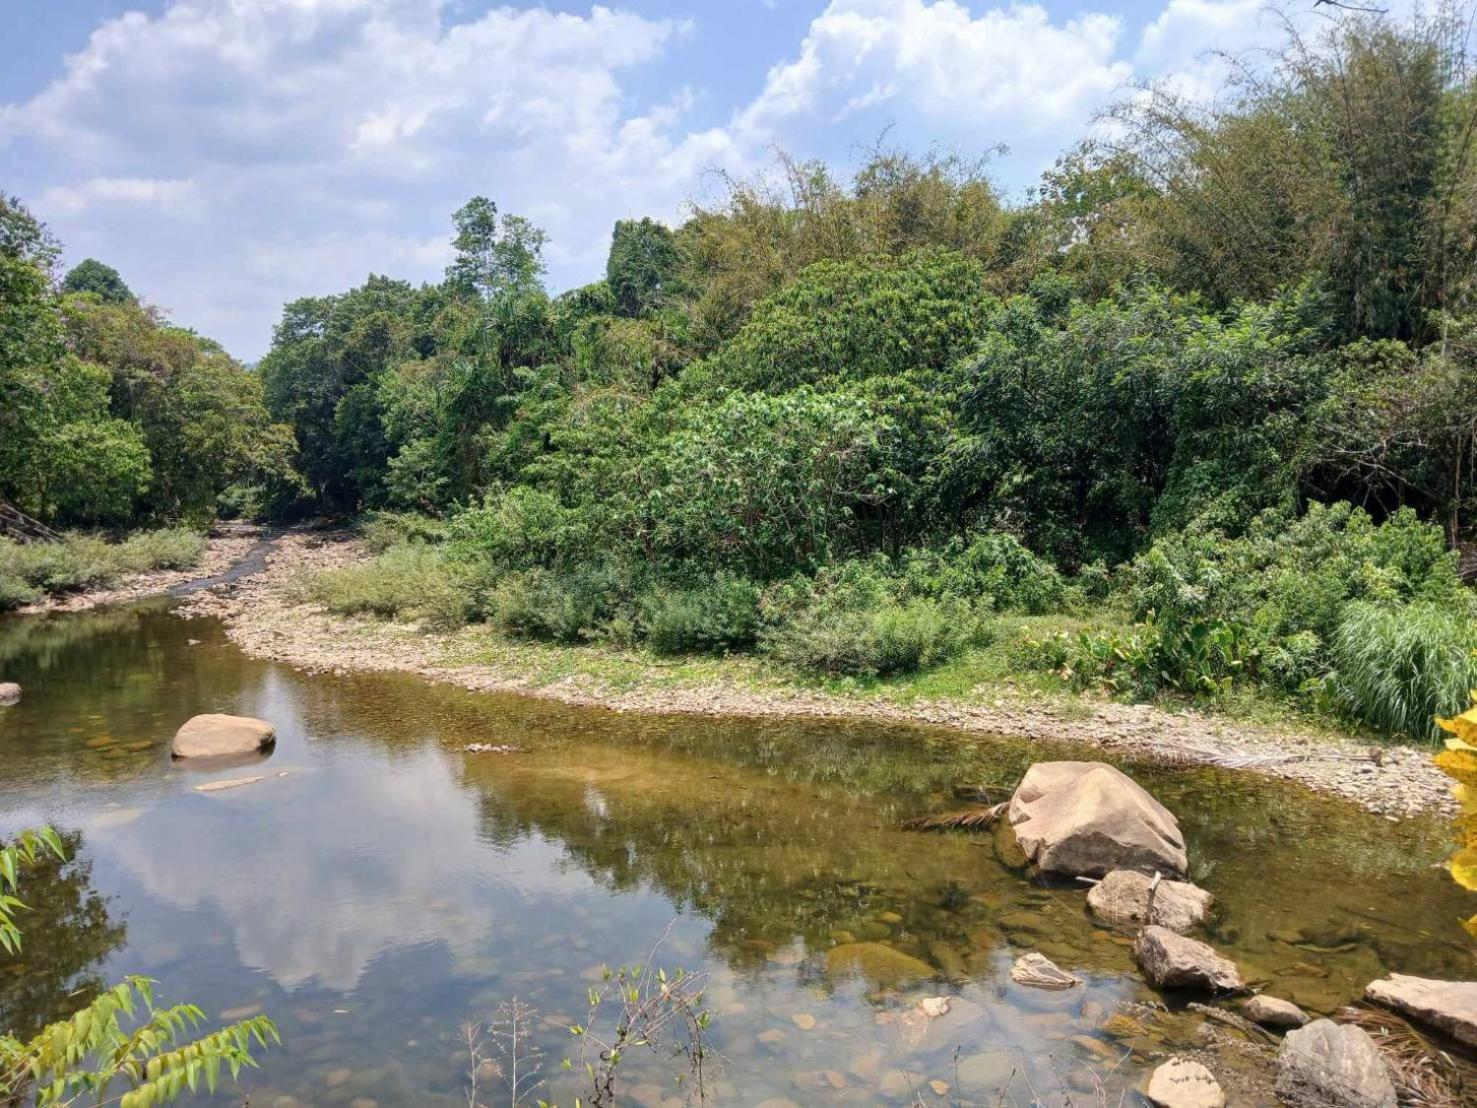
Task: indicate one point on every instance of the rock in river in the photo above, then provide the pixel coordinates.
(878, 963)
(1184, 1083)
(216, 736)
(1269, 1011)
(1449, 1006)
(10, 693)
(1172, 961)
(1329, 1065)
(1087, 818)
(1122, 899)
(1040, 972)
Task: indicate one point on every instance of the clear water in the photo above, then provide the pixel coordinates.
(390, 886)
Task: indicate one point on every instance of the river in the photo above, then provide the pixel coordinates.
(380, 886)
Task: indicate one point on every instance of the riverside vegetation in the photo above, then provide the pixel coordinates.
(1197, 414)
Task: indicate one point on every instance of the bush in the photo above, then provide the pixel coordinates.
(850, 620)
(990, 568)
(30, 571)
(720, 616)
(1398, 668)
(589, 602)
(523, 528)
(409, 581)
(382, 530)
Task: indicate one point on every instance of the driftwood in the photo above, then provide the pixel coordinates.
(1231, 1019)
(15, 524)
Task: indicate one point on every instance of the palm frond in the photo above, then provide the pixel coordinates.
(969, 819)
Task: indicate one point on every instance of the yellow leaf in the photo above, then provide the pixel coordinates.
(1471, 926)
(1459, 764)
(1464, 726)
(1463, 867)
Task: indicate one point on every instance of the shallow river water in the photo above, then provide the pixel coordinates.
(388, 886)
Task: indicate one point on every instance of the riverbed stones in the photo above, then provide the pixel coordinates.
(1122, 899)
(1089, 818)
(1330, 1065)
(219, 736)
(1173, 961)
(1037, 971)
(1449, 1006)
(878, 963)
(1184, 1083)
(10, 693)
(1271, 1011)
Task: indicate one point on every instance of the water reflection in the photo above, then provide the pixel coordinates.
(390, 884)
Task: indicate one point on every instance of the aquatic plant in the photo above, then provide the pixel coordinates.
(86, 1054)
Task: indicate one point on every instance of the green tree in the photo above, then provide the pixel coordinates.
(103, 281)
(643, 267)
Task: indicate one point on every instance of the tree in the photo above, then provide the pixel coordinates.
(643, 266)
(91, 275)
(495, 257)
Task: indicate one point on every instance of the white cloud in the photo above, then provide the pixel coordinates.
(939, 61)
(228, 155)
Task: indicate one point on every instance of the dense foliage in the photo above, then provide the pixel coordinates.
(1211, 382)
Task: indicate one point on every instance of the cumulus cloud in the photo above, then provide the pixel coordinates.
(228, 155)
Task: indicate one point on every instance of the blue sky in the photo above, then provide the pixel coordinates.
(229, 155)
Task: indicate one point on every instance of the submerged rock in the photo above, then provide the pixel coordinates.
(1449, 1006)
(217, 736)
(1270, 1011)
(1183, 1083)
(1330, 1065)
(10, 693)
(1039, 972)
(1122, 899)
(1172, 961)
(1087, 818)
(879, 963)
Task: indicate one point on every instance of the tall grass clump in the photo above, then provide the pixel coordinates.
(31, 571)
(718, 616)
(410, 581)
(1399, 668)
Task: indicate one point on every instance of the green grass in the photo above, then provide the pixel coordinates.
(29, 572)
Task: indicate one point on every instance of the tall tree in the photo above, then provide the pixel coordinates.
(91, 275)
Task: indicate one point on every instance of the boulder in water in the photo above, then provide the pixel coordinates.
(1088, 818)
(1122, 898)
(1271, 1011)
(1449, 1006)
(1040, 972)
(1184, 1083)
(10, 693)
(222, 736)
(1330, 1065)
(878, 963)
(1172, 961)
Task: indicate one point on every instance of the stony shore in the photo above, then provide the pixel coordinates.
(263, 618)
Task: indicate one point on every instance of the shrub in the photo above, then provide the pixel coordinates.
(382, 530)
(849, 620)
(719, 616)
(1398, 668)
(409, 581)
(523, 528)
(168, 548)
(29, 571)
(588, 602)
(992, 567)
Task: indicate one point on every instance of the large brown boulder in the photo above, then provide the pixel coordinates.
(1172, 961)
(221, 736)
(1122, 899)
(1087, 818)
(1330, 1065)
(1449, 1006)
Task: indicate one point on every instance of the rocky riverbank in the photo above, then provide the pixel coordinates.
(264, 616)
(224, 548)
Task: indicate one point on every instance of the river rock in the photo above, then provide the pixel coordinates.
(1172, 961)
(1184, 1083)
(1449, 1006)
(1330, 1065)
(10, 693)
(1270, 1011)
(1087, 818)
(216, 736)
(879, 963)
(1122, 899)
(1040, 972)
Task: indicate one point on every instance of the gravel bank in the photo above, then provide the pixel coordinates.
(263, 620)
